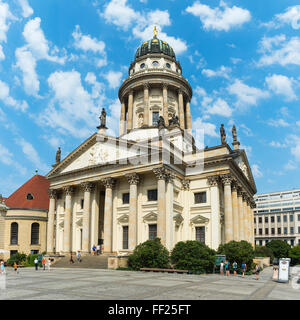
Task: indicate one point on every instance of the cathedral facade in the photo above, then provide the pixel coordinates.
(151, 181)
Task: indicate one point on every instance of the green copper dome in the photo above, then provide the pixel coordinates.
(155, 46)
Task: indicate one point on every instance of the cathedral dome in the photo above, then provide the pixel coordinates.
(155, 45)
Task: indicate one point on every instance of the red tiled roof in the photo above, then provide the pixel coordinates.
(38, 186)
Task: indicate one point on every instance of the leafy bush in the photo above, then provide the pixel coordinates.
(263, 251)
(279, 248)
(30, 260)
(193, 256)
(294, 254)
(150, 254)
(19, 258)
(239, 251)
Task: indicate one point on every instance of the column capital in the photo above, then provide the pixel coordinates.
(87, 186)
(165, 85)
(170, 176)
(234, 185)
(185, 184)
(226, 179)
(180, 90)
(244, 195)
(132, 178)
(252, 204)
(160, 173)
(146, 85)
(109, 183)
(69, 190)
(213, 181)
(52, 193)
(130, 92)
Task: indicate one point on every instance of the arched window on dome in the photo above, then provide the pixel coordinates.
(14, 232)
(35, 233)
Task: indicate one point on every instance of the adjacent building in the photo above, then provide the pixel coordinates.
(152, 180)
(277, 216)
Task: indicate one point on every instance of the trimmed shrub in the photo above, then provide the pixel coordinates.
(239, 251)
(263, 251)
(149, 254)
(279, 248)
(30, 260)
(19, 258)
(294, 254)
(193, 256)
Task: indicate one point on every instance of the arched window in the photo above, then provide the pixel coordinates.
(35, 233)
(14, 229)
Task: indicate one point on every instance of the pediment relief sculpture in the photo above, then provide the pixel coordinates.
(150, 217)
(124, 218)
(199, 219)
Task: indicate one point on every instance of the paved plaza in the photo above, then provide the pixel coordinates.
(87, 284)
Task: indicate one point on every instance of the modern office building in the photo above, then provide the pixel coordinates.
(277, 216)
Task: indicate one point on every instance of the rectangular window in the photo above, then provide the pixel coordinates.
(12, 252)
(285, 230)
(291, 218)
(279, 230)
(298, 241)
(254, 220)
(152, 195)
(284, 218)
(152, 231)
(260, 242)
(298, 217)
(266, 219)
(155, 118)
(200, 234)
(266, 231)
(260, 219)
(254, 231)
(278, 219)
(292, 243)
(260, 231)
(273, 230)
(81, 203)
(125, 237)
(292, 230)
(267, 241)
(125, 198)
(298, 229)
(272, 219)
(200, 197)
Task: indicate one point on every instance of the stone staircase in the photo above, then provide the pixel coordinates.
(88, 262)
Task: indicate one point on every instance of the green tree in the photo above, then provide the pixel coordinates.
(19, 258)
(294, 254)
(193, 256)
(239, 251)
(149, 254)
(279, 248)
(263, 251)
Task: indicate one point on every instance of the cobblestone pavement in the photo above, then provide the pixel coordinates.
(91, 284)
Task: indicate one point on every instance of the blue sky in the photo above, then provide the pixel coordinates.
(61, 61)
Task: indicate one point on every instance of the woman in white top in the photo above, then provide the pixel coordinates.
(222, 268)
(49, 264)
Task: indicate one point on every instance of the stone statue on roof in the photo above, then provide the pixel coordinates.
(58, 155)
(223, 134)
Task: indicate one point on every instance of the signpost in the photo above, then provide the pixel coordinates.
(284, 270)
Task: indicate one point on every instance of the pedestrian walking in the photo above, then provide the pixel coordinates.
(36, 263)
(94, 249)
(227, 264)
(44, 263)
(79, 256)
(71, 258)
(244, 269)
(222, 268)
(16, 267)
(234, 267)
(2, 268)
(49, 264)
(98, 249)
(257, 271)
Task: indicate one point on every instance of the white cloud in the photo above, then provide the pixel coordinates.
(281, 85)
(222, 72)
(5, 17)
(8, 100)
(279, 50)
(209, 128)
(290, 16)
(246, 95)
(2, 56)
(222, 18)
(31, 154)
(114, 78)
(219, 107)
(256, 171)
(27, 11)
(113, 120)
(27, 64)
(277, 144)
(278, 123)
(119, 13)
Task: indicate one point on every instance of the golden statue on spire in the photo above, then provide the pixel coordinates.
(155, 32)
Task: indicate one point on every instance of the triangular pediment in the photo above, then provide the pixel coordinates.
(178, 219)
(150, 217)
(123, 219)
(199, 219)
(242, 162)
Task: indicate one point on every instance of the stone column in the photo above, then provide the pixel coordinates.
(188, 117)
(165, 103)
(169, 210)
(235, 213)
(241, 214)
(245, 220)
(215, 211)
(108, 214)
(228, 208)
(161, 203)
(122, 118)
(87, 188)
(130, 111)
(186, 210)
(67, 219)
(146, 104)
(133, 180)
(50, 223)
(250, 229)
(252, 206)
(181, 109)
